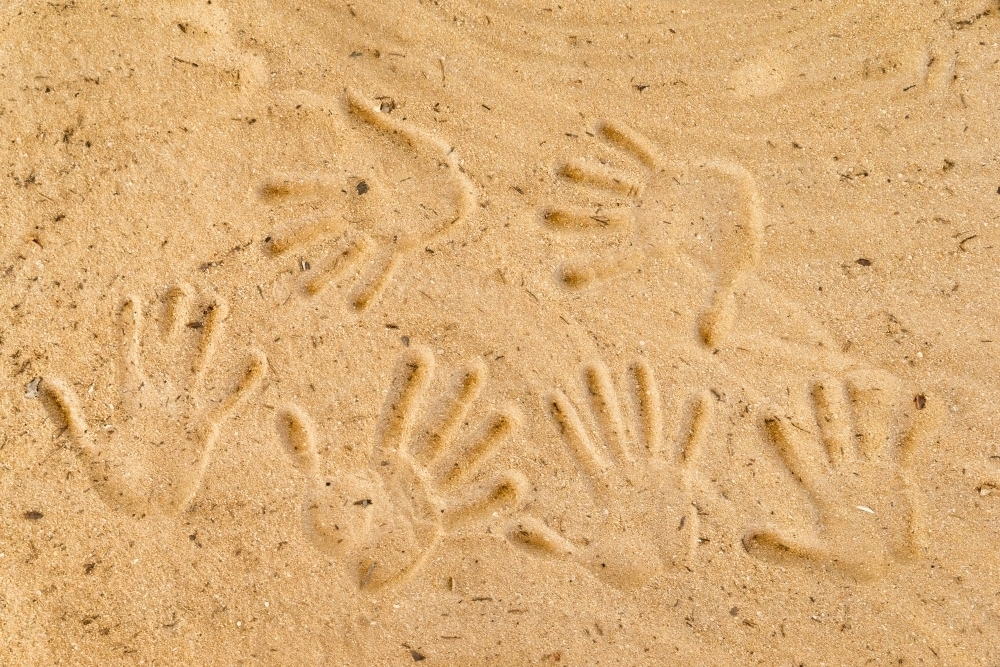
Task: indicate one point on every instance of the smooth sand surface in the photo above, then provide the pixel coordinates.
(483, 332)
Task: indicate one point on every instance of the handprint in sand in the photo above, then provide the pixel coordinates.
(642, 482)
(637, 209)
(148, 449)
(854, 457)
(421, 482)
(401, 187)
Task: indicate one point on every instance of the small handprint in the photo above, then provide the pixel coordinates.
(155, 442)
(855, 460)
(405, 194)
(642, 205)
(384, 520)
(643, 486)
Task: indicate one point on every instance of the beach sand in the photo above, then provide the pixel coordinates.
(455, 332)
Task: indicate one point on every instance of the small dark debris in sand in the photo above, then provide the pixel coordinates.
(31, 390)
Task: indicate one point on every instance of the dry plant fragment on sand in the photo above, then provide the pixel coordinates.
(634, 202)
(855, 459)
(412, 191)
(383, 520)
(171, 399)
(641, 481)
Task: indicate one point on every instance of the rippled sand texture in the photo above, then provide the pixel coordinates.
(499, 332)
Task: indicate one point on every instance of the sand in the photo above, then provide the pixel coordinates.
(455, 332)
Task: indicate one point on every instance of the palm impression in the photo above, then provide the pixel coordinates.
(854, 457)
(351, 226)
(631, 209)
(149, 449)
(641, 481)
(421, 482)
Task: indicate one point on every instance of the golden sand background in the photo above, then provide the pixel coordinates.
(696, 302)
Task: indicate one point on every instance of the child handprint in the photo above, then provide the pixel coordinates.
(151, 451)
(641, 205)
(408, 189)
(641, 483)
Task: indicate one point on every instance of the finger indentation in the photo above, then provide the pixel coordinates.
(337, 267)
(778, 547)
(800, 466)
(413, 374)
(438, 436)
(530, 533)
(371, 284)
(210, 430)
(874, 401)
(631, 142)
(467, 459)
(604, 179)
(131, 324)
(503, 495)
(606, 410)
(583, 220)
(922, 428)
(649, 409)
(326, 226)
(277, 188)
(63, 404)
(574, 433)
(211, 332)
(178, 309)
(107, 478)
(253, 377)
(832, 416)
(741, 244)
(695, 428)
(583, 274)
(717, 320)
(297, 433)
(741, 239)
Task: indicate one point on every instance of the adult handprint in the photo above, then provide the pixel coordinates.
(384, 520)
(151, 452)
(641, 483)
(854, 458)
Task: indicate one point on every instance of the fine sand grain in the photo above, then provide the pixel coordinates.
(499, 332)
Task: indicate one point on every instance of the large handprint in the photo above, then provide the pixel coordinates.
(855, 460)
(641, 483)
(406, 189)
(155, 442)
(384, 520)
